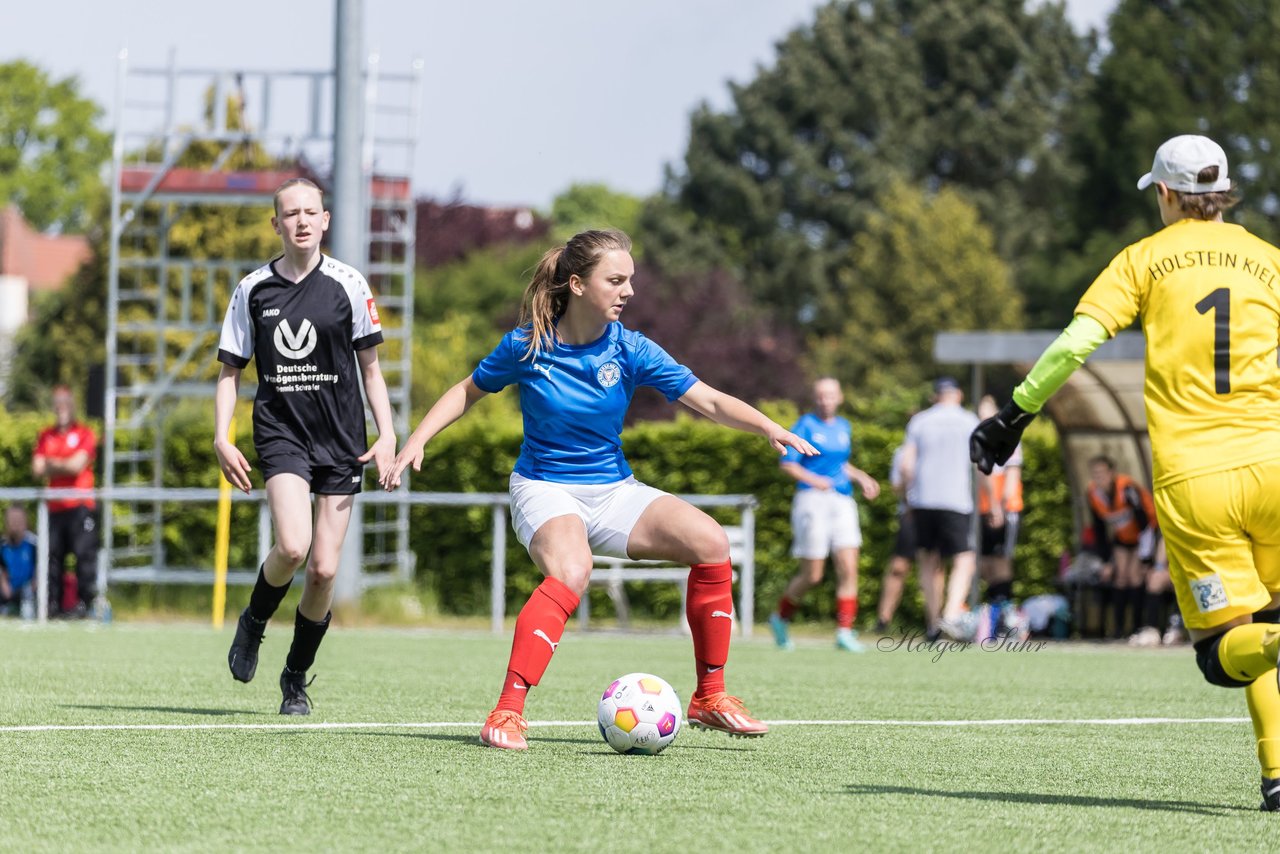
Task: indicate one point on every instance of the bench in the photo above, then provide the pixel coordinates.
(612, 573)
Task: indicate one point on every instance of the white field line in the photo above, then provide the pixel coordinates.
(340, 725)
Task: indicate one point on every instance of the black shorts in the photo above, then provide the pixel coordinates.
(944, 531)
(323, 480)
(999, 542)
(905, 545)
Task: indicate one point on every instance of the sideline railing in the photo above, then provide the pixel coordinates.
(498, 502)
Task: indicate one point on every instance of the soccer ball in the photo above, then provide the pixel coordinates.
(639, 713)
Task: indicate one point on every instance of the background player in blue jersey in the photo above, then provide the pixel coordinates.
(824, 519)
(308, 320)
(572, 492)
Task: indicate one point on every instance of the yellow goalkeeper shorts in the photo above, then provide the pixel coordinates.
(1222, 536)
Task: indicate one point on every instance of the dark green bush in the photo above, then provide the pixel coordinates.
(695, 456)
(688, 455)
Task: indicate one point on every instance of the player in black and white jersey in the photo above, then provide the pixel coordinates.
(310, 321)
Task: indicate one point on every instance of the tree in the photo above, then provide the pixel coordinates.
(1175, 66)
(588, 206)
(709, 323)
(945, 93)
(922, 265)
(51, 153)
(449, 231)
(487, 283)
(446, 349)
(67, 332)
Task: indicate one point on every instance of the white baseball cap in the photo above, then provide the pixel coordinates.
(1179, 160)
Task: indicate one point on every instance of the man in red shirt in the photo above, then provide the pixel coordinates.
(63, 457)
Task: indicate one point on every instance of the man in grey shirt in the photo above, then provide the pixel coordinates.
(939, 478)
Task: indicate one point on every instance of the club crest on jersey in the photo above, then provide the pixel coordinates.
(295, 345)
(609, 374)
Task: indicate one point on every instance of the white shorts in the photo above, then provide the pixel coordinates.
(823, 521)
(608, 510)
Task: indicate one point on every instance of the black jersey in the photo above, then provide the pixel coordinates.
(305, 335)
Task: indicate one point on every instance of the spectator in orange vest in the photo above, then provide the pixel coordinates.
(63, 457)
(1124, 523)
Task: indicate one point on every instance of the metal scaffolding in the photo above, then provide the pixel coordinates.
(181, 139)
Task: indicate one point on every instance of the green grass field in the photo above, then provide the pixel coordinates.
(209, 765)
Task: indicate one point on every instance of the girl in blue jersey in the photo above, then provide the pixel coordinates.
(824, 519)
(572, 492)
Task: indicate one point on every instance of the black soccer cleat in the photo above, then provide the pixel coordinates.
(294, 687)
(1271, 794)
(243, 656)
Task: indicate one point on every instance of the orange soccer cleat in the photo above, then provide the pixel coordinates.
(504, 729)
(724, 713)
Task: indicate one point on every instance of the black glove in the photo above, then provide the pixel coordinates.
(994, 440)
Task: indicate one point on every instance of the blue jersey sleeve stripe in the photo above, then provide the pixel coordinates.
(679, 391)
(481, 384)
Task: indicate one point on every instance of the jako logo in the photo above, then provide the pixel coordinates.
(295, 345)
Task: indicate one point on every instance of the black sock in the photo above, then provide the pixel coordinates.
(1102, 596)
(1152, 606)
(1119, 604)
(266, 598)
(1137, 595)
(999, 590)
(307, 635)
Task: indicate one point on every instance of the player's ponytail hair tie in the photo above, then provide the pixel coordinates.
(547, 294)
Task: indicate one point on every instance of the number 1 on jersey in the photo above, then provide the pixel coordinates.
(1220, 300)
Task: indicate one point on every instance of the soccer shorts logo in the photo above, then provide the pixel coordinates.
(609, 374)
(1209, 594)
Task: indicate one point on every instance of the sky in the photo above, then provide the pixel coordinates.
(521, 98)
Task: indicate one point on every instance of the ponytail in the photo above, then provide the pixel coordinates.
(545, 299)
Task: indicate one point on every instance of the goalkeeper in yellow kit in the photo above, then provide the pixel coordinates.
(1208, 294)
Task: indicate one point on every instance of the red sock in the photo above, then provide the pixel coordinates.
(709, 608)
(787, 608)
(846, 612)
(538, 630)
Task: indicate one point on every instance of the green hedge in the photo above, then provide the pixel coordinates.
(17, 440)
(695, 456)
(688, 455)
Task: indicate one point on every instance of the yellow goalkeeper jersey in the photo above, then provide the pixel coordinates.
(1208, 294)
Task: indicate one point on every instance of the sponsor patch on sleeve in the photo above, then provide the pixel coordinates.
(373, 311)
(1209, 593)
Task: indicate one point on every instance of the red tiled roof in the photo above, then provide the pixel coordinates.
(46, 261)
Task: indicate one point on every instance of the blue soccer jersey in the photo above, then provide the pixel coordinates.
(574, 398)
(19, 559)
(832, 439)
